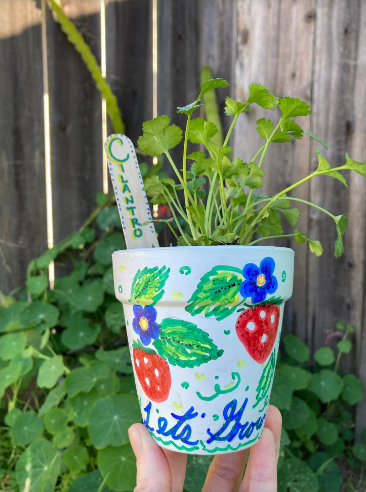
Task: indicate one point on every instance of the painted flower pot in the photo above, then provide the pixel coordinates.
(203, 327)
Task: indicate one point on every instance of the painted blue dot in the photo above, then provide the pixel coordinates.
(203, 415)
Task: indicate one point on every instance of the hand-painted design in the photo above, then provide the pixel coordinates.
(152, 371)
(259, 281)
(217, 293)
(183, 344)
(227, 332)
(185, 385)
(144, 323)
(199, 377)
(110, 155)
(203, 415)
(215, 417)
(266, 380)
(218, 391)
(178, 406)
(185, 270)
(257, 329)
(229, 447)
(121, 268)
(284, 276)
(240, 364)
(147, 285)
(120, 290)
(176, 295)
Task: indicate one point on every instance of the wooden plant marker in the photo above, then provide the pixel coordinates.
(130, 194)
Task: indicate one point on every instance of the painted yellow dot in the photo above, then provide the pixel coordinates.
(122, 267)
(177, 405)
(144, 323)
(261, 280)
(241, 363)
(176, 295)
(200, 377)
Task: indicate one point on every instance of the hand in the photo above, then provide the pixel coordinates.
(162, 470)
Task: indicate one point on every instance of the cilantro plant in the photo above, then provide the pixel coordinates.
(220, 203)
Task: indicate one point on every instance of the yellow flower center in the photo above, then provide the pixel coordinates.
(144, 323)
(261, 280)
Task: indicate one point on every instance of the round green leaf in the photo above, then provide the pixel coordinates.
(108, 281)
(79, 334)
(65, 289)
(55, 420)
(110, 419)
(50, 371)
(108, 386)
(326, 385)
(82, 405)
(344, 346)
(90, 296)
(298, 378)
(348, 434)
(101, 198)
(76, 458)
(337, 448)
(24, 361)
(359, 450)
(82, 379)
(40, 315)
(8, 376)
(27, 427)
(296, 476)
(9, 317)
(119, 359)
(310, 426)
(296, 348)
(69, 316)
(352, 390)
(64, 438)
(297, 415)
(52, 399)
(37, 285)
(114, 317)
(88, 234)
(324, 356)
(197, 468)
(119, 466)
(281, 392)
(90, 482)
(108, 245)
(331, 478)
(108, 217)
(327, 432)
(128, 385)
(11, 417)
(12, 344)
(80, 269)
(97, 269)
(38, 467)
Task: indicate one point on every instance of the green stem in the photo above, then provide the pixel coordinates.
(231, 129)
(178, 225)
(186, 202)
(271, 237)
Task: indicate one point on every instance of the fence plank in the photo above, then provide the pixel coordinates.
(275, 42)
(22, 184)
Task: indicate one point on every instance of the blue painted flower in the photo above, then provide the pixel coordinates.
(258, 282)
(144, 323)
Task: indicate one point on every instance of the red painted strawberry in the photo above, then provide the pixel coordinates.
(153, 373)
(257, 330)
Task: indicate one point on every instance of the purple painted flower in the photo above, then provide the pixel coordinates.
(259, 281)
(144, 323)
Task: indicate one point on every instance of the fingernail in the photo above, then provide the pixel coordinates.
(136, 441)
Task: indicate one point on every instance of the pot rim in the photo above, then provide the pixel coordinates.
(216, 248)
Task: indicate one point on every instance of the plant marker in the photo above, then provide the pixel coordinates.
(130, 194)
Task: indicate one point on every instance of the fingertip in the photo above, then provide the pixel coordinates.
(135, 439)
(274, 415)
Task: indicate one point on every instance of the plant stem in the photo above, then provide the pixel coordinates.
(271, 237)
(231, 129)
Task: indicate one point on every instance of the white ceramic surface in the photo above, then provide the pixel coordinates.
(204, 326)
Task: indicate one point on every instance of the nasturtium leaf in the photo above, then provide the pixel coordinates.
(12, 416)
(260, 95)
(27, 427)
(296, 348)
(110, 420)
(281, 393)
(12, 344)
(119, 359)
(37, 285)
(50, 371)
(296, 415)
(359, 450)
(352, 392)
(341, 226)
(109, 385)
(79, 334)
(101, 198)
(45, 259)
(296, 476)
(90, 296)
(327, 432)
(90, 482)
(147, 285)
(38, 467)
(201, 131)
(82, 405)
(337, 448)
(118, 465)
(10, 316)
(359, 167)
(291, 107)
(310, 426)
(183, 344)
(114, 317)
(326, 385)
(69, 315)
(298, 378)
(197, 468)
(45, 338)
(264, 128)
(88, 234)
(348, 434)
(55, 420)
(108, 281)
(311, 134)
(108, 217)
(40, 315)
(330, 477)
(24, 361)
(108, 245)
(80, 269)
(76, 458)
(53, 398)
(128, 385)
(82, 379)
(324, 356)
(159, 136)
(291, 128)
(8, 376)
(344, 346)
(64, 438)
(97, 269)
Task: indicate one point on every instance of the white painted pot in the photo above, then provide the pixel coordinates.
(203, 326)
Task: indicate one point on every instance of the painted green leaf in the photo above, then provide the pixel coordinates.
(82, 405)
(324, 356)
(114, 317)
(352, 390)
(28, 426)
(53, 398)
(110, 420)
(310, 427)
(298, 378)
(12, 344)
(266, 380)
(327, 432)
(185, 345)
(296, 476)
(55, 420)
(296, 348)
(296, 415)
(64, 438)
(108, 245)
(90, 296)
(217, 293)
(38, 467)
(79, 334)
(36, 285)
(50, 371)
(326, 385)
(281, 393)
(90, 482)
(40, 315)
(119, 359)
(82, 379)
(119, 466)
(76, 458)
(147, 285)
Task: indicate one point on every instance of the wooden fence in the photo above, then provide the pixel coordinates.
(312, 49)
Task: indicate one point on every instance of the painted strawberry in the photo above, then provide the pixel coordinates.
(152, 371)
(257, 329)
